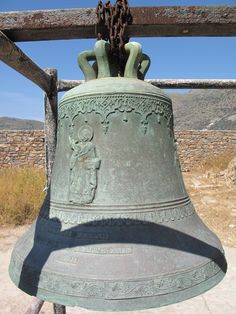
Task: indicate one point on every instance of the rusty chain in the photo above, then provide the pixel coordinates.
(112, 22)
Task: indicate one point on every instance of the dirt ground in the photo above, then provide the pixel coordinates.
(215, 203)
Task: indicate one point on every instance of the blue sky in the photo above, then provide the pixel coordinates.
(197, 57)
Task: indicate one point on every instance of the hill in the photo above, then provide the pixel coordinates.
(7, 123)
(205, 109)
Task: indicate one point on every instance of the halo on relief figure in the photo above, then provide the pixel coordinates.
(85, 133)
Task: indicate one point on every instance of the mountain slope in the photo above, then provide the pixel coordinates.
(7, 123)
(205, 109)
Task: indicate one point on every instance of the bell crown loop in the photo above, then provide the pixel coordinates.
(136, 66)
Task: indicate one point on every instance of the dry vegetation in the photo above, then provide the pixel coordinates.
(215, 164)
(21, 194)
(214, 200)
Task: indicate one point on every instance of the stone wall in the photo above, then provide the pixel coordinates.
(19, 148)
(194, 146)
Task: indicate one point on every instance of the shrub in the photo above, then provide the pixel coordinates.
(21, 194)
(215, 163)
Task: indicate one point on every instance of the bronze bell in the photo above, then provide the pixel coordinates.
(117, 230)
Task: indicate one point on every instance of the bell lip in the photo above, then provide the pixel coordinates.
(132, 304)
(80, 91)
(129, 304)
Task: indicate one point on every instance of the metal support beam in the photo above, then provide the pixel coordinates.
(50, 126)
(147, 22)
(65, 85)
(16, 59)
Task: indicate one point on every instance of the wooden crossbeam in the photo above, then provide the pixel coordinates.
(65, 85)
(16, 59)
(194, 84)
(147, 22)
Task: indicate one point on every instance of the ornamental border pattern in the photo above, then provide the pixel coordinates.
(121, 219)
(115, 289)
(106, 105)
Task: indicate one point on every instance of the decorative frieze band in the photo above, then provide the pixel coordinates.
(116, 289)
(106, 105)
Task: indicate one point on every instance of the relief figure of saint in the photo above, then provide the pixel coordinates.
(83, 167)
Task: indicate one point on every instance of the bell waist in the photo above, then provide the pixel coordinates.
(114, 208)
(163, 212)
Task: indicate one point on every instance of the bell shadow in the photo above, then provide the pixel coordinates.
(50, 237)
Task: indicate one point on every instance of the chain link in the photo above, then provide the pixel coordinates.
(112, 22)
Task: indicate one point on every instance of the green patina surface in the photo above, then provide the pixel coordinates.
(117, 230)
